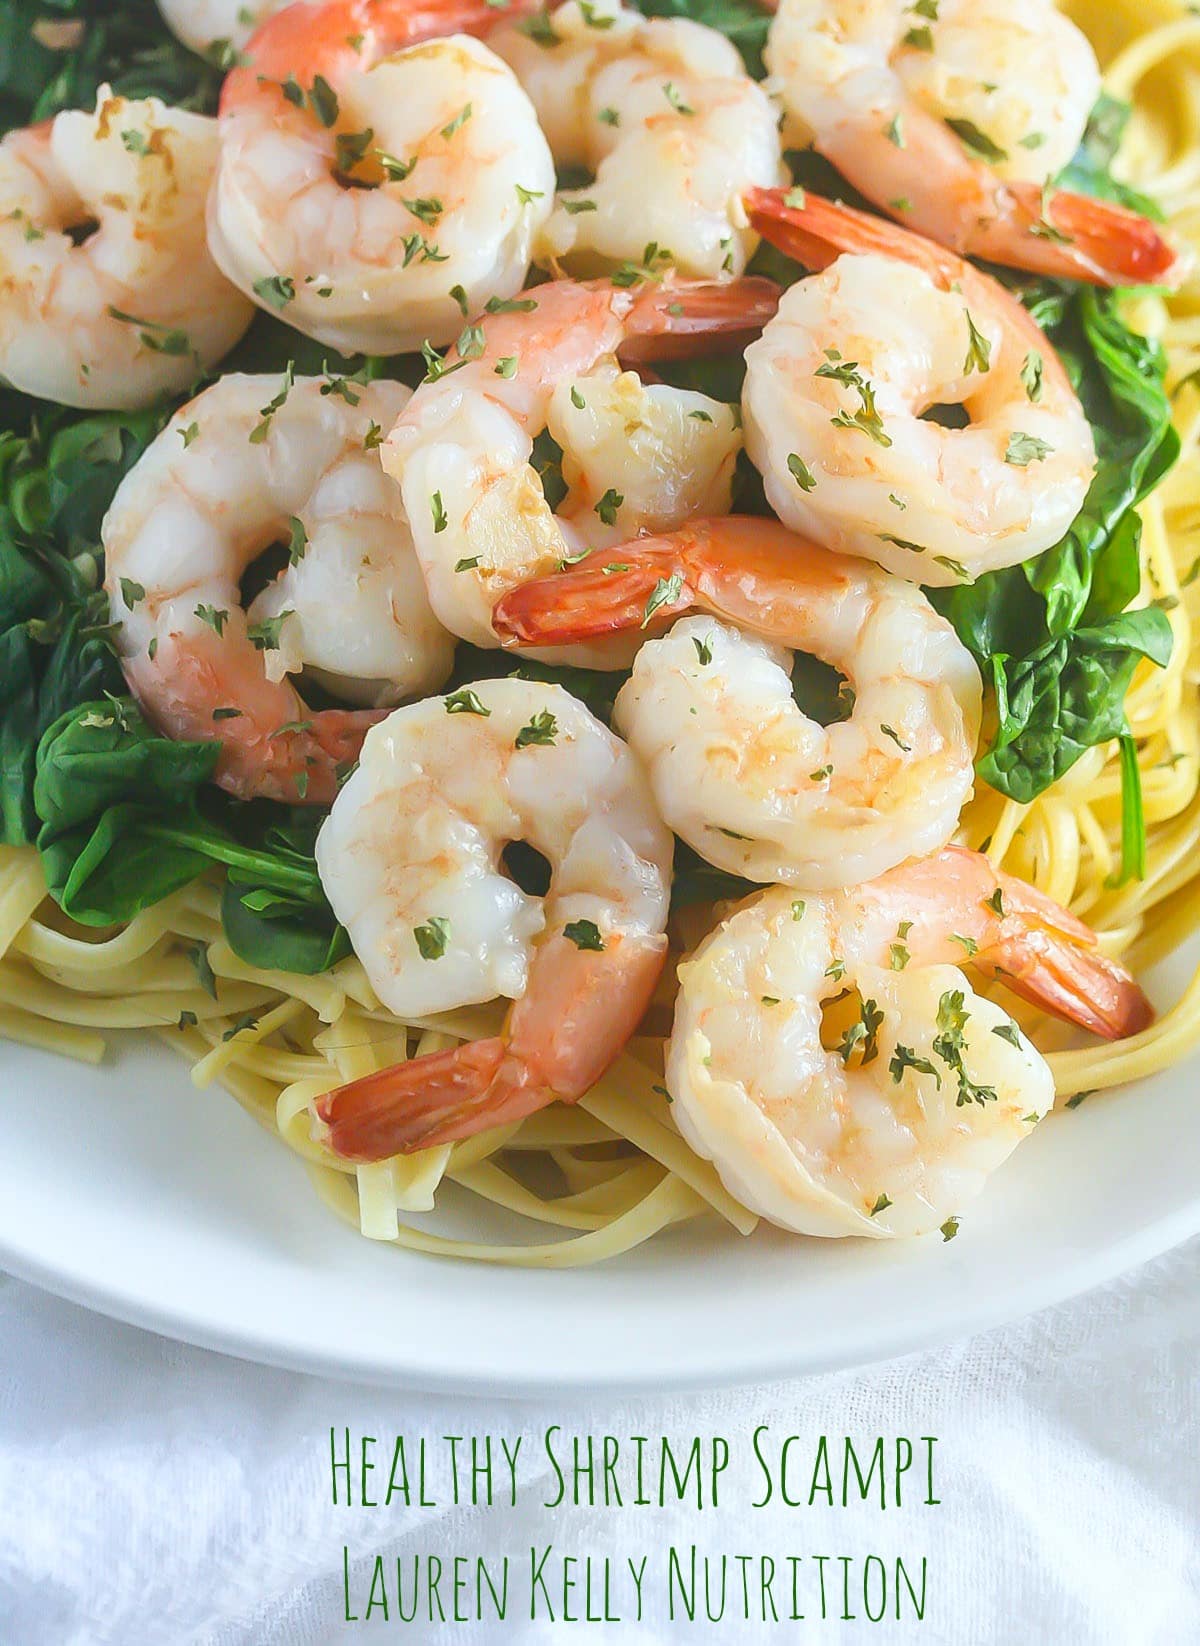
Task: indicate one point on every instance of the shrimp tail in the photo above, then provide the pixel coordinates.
(590, 601)
(816, 232)
(1078, 237)
(735, 566)
(1064, 234)
(302, 765)
(578, 1012)
(1050, 958)
(439, 1098)
(667, 317)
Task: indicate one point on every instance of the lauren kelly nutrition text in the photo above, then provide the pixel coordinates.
(682, 1581)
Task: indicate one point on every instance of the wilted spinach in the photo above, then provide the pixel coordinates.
(127, 817)
(54, 54)
(1053, 636)
(55, 483)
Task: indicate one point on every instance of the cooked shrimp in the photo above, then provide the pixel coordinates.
(374, 195)
(837, 386)
(108, 295)
(208, 26)
(955, 117)
(665, 117)
(636, 457)
(736, 767)
(929, 1088)
(251, 462)
(410, 858)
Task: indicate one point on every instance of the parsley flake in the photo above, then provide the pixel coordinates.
(585, 934)
(432, 937)
(666, 592)
(466, 701)
(541, 730)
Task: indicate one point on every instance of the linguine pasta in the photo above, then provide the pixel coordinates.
(613, 1171)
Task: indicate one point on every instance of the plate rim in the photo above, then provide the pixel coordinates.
(434, 1374)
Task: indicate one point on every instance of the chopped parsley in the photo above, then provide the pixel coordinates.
(585, 934)
(1024, 449)
(432, 937)
(466, 701)
(608, 505)
(1031, 375)
(977, 141)
(979, 350)
(542, 729)
(666, 592)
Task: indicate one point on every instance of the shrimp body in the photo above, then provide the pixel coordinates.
(955, 118)
(737, 768)
(886, 1116)
(136, 306)
(251, 462)
(837, 386)
(410, 858)
(205, 25)
(637, 457)
(665, 117)
(379, 175)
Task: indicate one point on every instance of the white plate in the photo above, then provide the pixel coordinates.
(125, 1189)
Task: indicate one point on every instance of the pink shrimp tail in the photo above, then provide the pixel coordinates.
(1069, 235)
(440, 1098)
(578, 1011)
(1096, 241)
(668, 318)
(1102, 243)
(303, 766)
(273, 747)
(588, 603)
(816, 232)
(736, 565)
(1050, 957)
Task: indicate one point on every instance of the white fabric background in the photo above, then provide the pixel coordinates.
(152, 1493)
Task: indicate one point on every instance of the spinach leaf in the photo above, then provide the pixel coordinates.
(102, 776)
(1066, 696)
(1053, 636)
(127, 817)
(54, 54)
(55, 483)
(267, 928)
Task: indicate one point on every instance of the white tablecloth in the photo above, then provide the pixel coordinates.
(155, 1493)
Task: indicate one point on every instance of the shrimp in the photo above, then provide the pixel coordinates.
(955, 117)
(410, 859)
(108, 296)
(892, 1128)
(251, 462)
(736, 767)
(837, 385)
(664, 116)
(374, 195)
(211, 27)
(636, 457)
